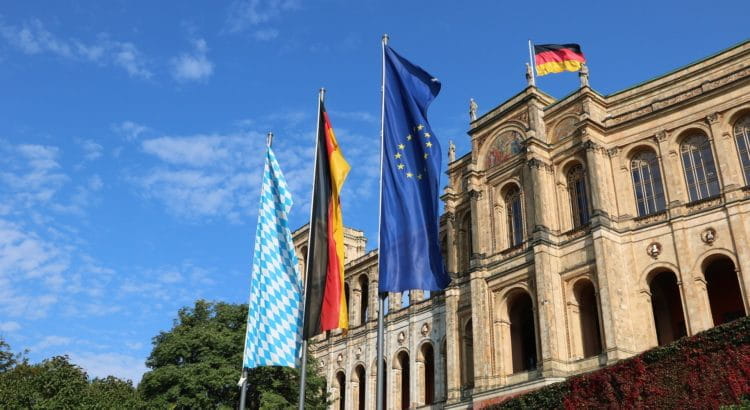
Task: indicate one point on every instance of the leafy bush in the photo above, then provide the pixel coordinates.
(707, 370)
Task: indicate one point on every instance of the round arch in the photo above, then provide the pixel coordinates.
(489, 142)
(564, 128)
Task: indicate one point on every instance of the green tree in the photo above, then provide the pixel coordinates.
(56, 383)
(197, 364)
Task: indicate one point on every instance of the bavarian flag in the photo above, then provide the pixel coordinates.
(325, 302)
(555, 58)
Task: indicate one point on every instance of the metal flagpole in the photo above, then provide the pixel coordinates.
(381, 296)
(531, 61)
(243, 379)
(303, 368)
(243, 388)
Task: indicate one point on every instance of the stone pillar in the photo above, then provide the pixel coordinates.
(542, 185)
(478, 240)
(415, 296)
(355, 303)
(725, 152)
(674, 179)
(614, 297)
(550, 312)
(394, 301)
(451, 252)
(453, 345)
(372, 308)
(599, 179)
(738, 223)
(481, 327)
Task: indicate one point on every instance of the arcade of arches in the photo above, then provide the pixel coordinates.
(577, 233)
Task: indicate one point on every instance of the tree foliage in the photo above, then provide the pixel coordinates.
(56, 383)
(197, 364)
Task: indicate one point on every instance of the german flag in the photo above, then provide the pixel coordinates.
(555, 58)
(325, 302)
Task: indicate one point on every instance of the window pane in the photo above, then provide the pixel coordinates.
(658, 188)
(689, 175)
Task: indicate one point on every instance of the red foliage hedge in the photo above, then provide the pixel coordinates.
(707, 370)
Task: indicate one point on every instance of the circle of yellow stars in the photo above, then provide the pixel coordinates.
(416, 131)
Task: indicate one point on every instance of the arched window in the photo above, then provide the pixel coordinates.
(467, 248)
(428, 376)
(649, 192)
(360, 395)
(700, 170)
(742, 137)
(579, 201)
(341, 380)
(364, 294)
(515, 216)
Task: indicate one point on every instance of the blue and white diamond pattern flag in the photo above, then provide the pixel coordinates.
(274, 321)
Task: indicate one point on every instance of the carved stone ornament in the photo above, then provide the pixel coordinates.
(425, 329)
(339, 358)
(708, 236)
(654, 249)
(401, 337)
(712, 118)
(358, 352)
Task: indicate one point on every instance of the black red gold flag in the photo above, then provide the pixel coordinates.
(555, 58)
(325, 302)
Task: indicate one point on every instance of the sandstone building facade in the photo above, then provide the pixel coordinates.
(578, 232)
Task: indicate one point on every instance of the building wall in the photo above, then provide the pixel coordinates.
(576, 292)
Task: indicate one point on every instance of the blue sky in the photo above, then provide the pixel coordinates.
(131, 135)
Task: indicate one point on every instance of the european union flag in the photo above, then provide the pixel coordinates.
(410, 255)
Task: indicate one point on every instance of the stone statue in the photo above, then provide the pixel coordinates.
(451, 151)
(530, 75)
(584, 75)
(473, 109)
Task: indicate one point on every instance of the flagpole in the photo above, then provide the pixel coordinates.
(381, 296)
(243, 378)
(531, 61)
(303, 370)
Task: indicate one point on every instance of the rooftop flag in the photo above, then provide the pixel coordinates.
(555, 58)
(325, 302)
(274, 319)
(410, 256)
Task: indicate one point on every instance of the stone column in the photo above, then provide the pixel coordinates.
(674, 179)
(415, 296)
(542, 185)
(599, 179)
(725, 152)
(481, 327)
(550, 312)
(614, 293)
(451, 252)
(355, 303)
(453, 345)
(372, 308)
(478, 237)
(394, 301)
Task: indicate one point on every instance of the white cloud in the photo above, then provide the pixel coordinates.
(248, 14)
(194, 66)
(51, 341)
(194, 151)
(9, 326)
(106, 364)
(266, 34)
(33, 38)
(356, 116)
(130, 130)
(91, 149)
(95, 182)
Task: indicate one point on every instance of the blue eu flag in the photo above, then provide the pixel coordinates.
(410, 255)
